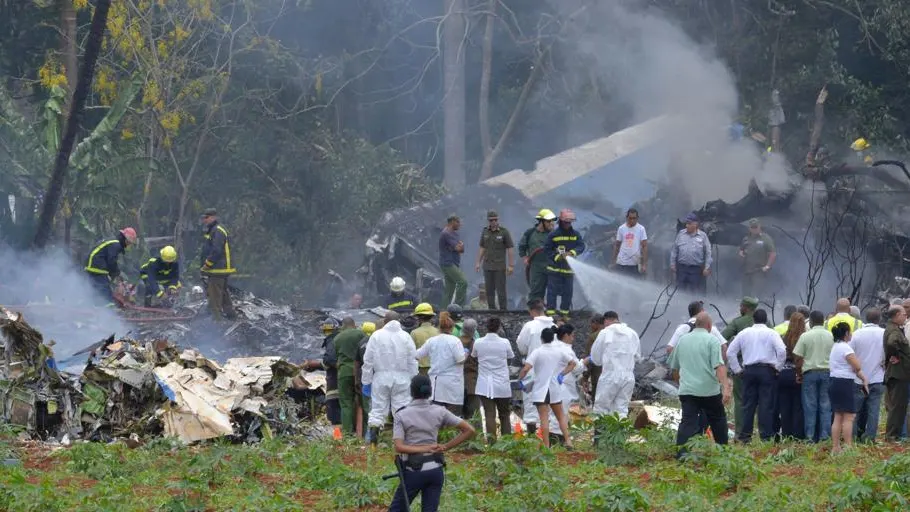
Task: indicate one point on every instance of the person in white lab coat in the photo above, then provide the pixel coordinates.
(493, 387)
(551, 363)
(528, 340)
(617, 349)
(446, 373)
(388, 365)
(569, 388)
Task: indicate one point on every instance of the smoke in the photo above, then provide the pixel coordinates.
(650, 66)
(56, 298)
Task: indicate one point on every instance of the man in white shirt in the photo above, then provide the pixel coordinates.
(763, 352)
(868, 345)
(529, 340)
(695, 308)
(630, 250)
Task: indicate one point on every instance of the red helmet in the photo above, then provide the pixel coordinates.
(566, 215)
(130, 235)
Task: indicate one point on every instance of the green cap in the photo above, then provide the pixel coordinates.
(750, 301)
(754, 223)
(492, 214)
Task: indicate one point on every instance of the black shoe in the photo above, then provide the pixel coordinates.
(373, 436)
(532, 429)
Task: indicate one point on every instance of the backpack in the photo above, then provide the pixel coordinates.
(691, 324)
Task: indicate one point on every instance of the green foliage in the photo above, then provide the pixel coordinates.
(616, 498)
(614, 445)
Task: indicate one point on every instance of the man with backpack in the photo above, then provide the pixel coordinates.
(695, 308)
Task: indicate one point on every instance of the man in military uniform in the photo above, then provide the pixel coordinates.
(498, 258)
(744, 320)
(758, 254)
(426, 330)
(531, 250)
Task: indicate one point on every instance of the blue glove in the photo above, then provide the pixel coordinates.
(560, 377)
(589, 360)
(365, 389)
(521, 385)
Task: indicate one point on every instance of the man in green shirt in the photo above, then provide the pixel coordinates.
(531, 251)
(480, 302)
(497, 256)
(424, 314)
(346, 344)
(703, 384)
(743, 321)
(758, 254)
(812, 351)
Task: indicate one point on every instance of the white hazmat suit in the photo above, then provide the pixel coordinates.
(528, 340)
(616, 349)
(389, 364)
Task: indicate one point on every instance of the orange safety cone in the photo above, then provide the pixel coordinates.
(336, 434)
(517, 431)
(709, 434)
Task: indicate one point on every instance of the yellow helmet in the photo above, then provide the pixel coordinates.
(545, 214)
(424, 309)
(860, 144)
(169, 254)
(368, 328)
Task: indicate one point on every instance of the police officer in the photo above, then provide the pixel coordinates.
(159, 274)
(101, 265)
(758, 254)
(531, 250)
(562, 243)
(498, 259)
(420, 456)
(400, 301)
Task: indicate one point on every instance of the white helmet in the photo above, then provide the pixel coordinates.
(397, 285)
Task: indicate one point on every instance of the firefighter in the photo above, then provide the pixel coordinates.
(562, 243)
(160, 274)
(217, 266)
(531, 250)
(400, 301)
(101, 265)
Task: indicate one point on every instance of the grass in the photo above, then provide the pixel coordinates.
(296, 474)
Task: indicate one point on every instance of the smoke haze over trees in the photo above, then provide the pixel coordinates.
(304, 121)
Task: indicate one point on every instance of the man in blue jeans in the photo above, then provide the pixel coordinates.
(812, 351)
(867, 344)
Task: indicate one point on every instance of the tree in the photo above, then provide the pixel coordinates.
(453, 46)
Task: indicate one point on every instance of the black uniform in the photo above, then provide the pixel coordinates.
(101, 265)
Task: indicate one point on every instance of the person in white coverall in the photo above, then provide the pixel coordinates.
(617, 349)
(388, 365)
(529, 340)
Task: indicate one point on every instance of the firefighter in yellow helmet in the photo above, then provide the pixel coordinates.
(531, 250)
(862, 149)
(161, 275)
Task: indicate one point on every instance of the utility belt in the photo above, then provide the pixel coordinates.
(762, 365)
(424, 461)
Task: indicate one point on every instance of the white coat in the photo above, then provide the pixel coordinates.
(617, 349)
(389, 363)
(548, 361)
(528, 340)
(446, 373)
(493, 354)
(569, 388)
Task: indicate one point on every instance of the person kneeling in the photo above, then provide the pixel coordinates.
(420, 459)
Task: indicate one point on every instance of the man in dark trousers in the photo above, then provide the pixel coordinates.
(161, 275)
(217, 266)
(531, 251)
(564, 242)
(451, 247)
(897, 372)
(101, 265)
(690, 257)
(497, 256)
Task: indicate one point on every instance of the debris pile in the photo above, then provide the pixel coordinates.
(143, 389)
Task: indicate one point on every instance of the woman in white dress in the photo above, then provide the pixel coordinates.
(493, 353)
(446, 366)
(551, 364)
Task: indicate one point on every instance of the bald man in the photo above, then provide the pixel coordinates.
(842, 314)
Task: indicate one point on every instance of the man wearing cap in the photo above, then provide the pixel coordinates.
(451, 248)
(531, 250)
(757, 252)
(737, 325)
(217, 265)
(498, 258)
(479, 302)
(690, 258)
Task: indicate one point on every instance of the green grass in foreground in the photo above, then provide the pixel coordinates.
(292, 474)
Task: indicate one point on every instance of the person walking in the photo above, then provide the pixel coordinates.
(630, 249)
(552, 364)
(845, 368)
(616, 349)
(758, 254)
(790, 415)
(420, 456)
(497, 255)
(897, 372)
(690, 257)
(763, 353)
(472, 402)
(564, 242)
(447, 358)
(527, 342)
(812, 352)
(347, 342)
(217, 266)
(424, 314)
(531, 249)
(703, 385)
(868, 344)
(493, 353)
(451, 247)
(388, 365)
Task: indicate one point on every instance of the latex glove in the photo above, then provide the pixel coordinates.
(521, 385)
(365, 389)
(560, 377)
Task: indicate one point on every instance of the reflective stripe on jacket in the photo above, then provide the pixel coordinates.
(102, 260)
(570, 241)
(216, 253)
(162, 274)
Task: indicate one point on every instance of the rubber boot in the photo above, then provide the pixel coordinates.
(373, 435)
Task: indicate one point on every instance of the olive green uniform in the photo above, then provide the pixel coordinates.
(495, 245)
(730, 331)
(756, 250)
(420, 336)
(532, 246)
(347, 342)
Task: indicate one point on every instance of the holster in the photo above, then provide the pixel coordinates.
(416, 462)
